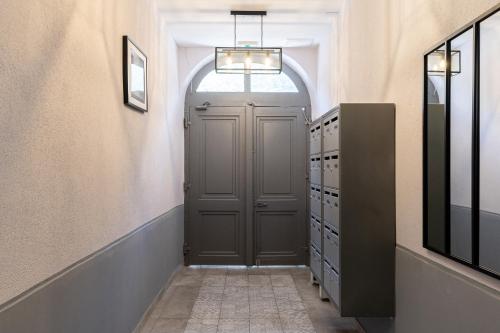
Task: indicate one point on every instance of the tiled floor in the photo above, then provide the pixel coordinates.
(244, 300)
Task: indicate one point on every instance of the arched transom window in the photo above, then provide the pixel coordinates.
(259, 83)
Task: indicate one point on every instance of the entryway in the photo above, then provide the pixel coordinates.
(244, 300)
(246, 169)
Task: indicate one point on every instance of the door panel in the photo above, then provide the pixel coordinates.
(216, 201)
(224, 243)
(280, 185)
(276, 156)
(276, 234)
(219, 157)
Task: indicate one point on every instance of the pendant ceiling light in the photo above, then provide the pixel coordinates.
(437, 63)
(249, 60)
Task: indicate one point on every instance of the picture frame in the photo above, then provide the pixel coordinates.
(135, 76)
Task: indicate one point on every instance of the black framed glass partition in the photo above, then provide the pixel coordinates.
(435, 121)
(462, 145)
(489, 143)
(461, 114)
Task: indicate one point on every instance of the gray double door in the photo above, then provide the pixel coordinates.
(246, 171)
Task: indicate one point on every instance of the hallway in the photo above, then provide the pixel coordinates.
(239, 300)
(242, 166)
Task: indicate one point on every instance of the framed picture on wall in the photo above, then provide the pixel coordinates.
(135, 76)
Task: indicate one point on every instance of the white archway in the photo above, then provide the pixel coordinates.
(208, 56)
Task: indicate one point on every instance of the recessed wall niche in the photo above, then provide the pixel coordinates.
(462, 145)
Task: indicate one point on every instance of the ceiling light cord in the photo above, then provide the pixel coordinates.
(261, 31)
(235, 31)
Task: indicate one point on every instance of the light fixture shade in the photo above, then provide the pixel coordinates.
(248, 60)
(437, 62)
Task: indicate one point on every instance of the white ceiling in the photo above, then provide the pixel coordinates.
(276, 6)
(289, 23)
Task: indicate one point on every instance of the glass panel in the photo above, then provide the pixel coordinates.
(273, 84)
(489, 224)
(248, 60)
(461, 120)
(214, 82)
(436, 162)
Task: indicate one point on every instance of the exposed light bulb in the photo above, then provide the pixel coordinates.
(229, 59)
(267, 61)
(442, 63)
(248, 60)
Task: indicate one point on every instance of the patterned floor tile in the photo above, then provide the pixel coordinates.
(259, 280)
(206, 310)
(263, 309)
(237, 280)
(263, 325)
(235, 309)
(233, 326)
(240, 300)
(201, 326)
(282, 281)
(215, 280)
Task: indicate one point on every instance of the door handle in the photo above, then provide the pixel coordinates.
(261, 204)
(203, 107)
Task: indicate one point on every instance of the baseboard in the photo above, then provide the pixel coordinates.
(109, 290)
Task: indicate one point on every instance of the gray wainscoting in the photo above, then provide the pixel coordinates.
(109, 291)
(432, 298)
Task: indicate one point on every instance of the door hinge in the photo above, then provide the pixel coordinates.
(307, 120)
(306, 249)
(186, 186)
(186, 249)
(187, 123)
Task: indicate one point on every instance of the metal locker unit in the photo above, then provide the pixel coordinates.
(331, 281)
(316, 262)
(315, 139)
(331, 247)
(315, 196)
(358, 206)
(316, 231)
(315, 167)
(331, 169)
(331, 207)
(316, 199)
(331, 133)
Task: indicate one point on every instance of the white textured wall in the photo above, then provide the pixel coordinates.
(78, 169)
(381, 60)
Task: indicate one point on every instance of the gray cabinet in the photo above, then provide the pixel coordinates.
(316, 261)
(357, 213)
(315, 196)
(315, 139)
(315, 167)
(316, 231)
(331, 169)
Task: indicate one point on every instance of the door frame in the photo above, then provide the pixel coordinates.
(249, 100)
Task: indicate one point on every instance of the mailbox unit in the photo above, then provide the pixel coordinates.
(315, 203)
(353, 204)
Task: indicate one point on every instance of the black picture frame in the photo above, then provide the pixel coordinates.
(446, 43)
(135, 76)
